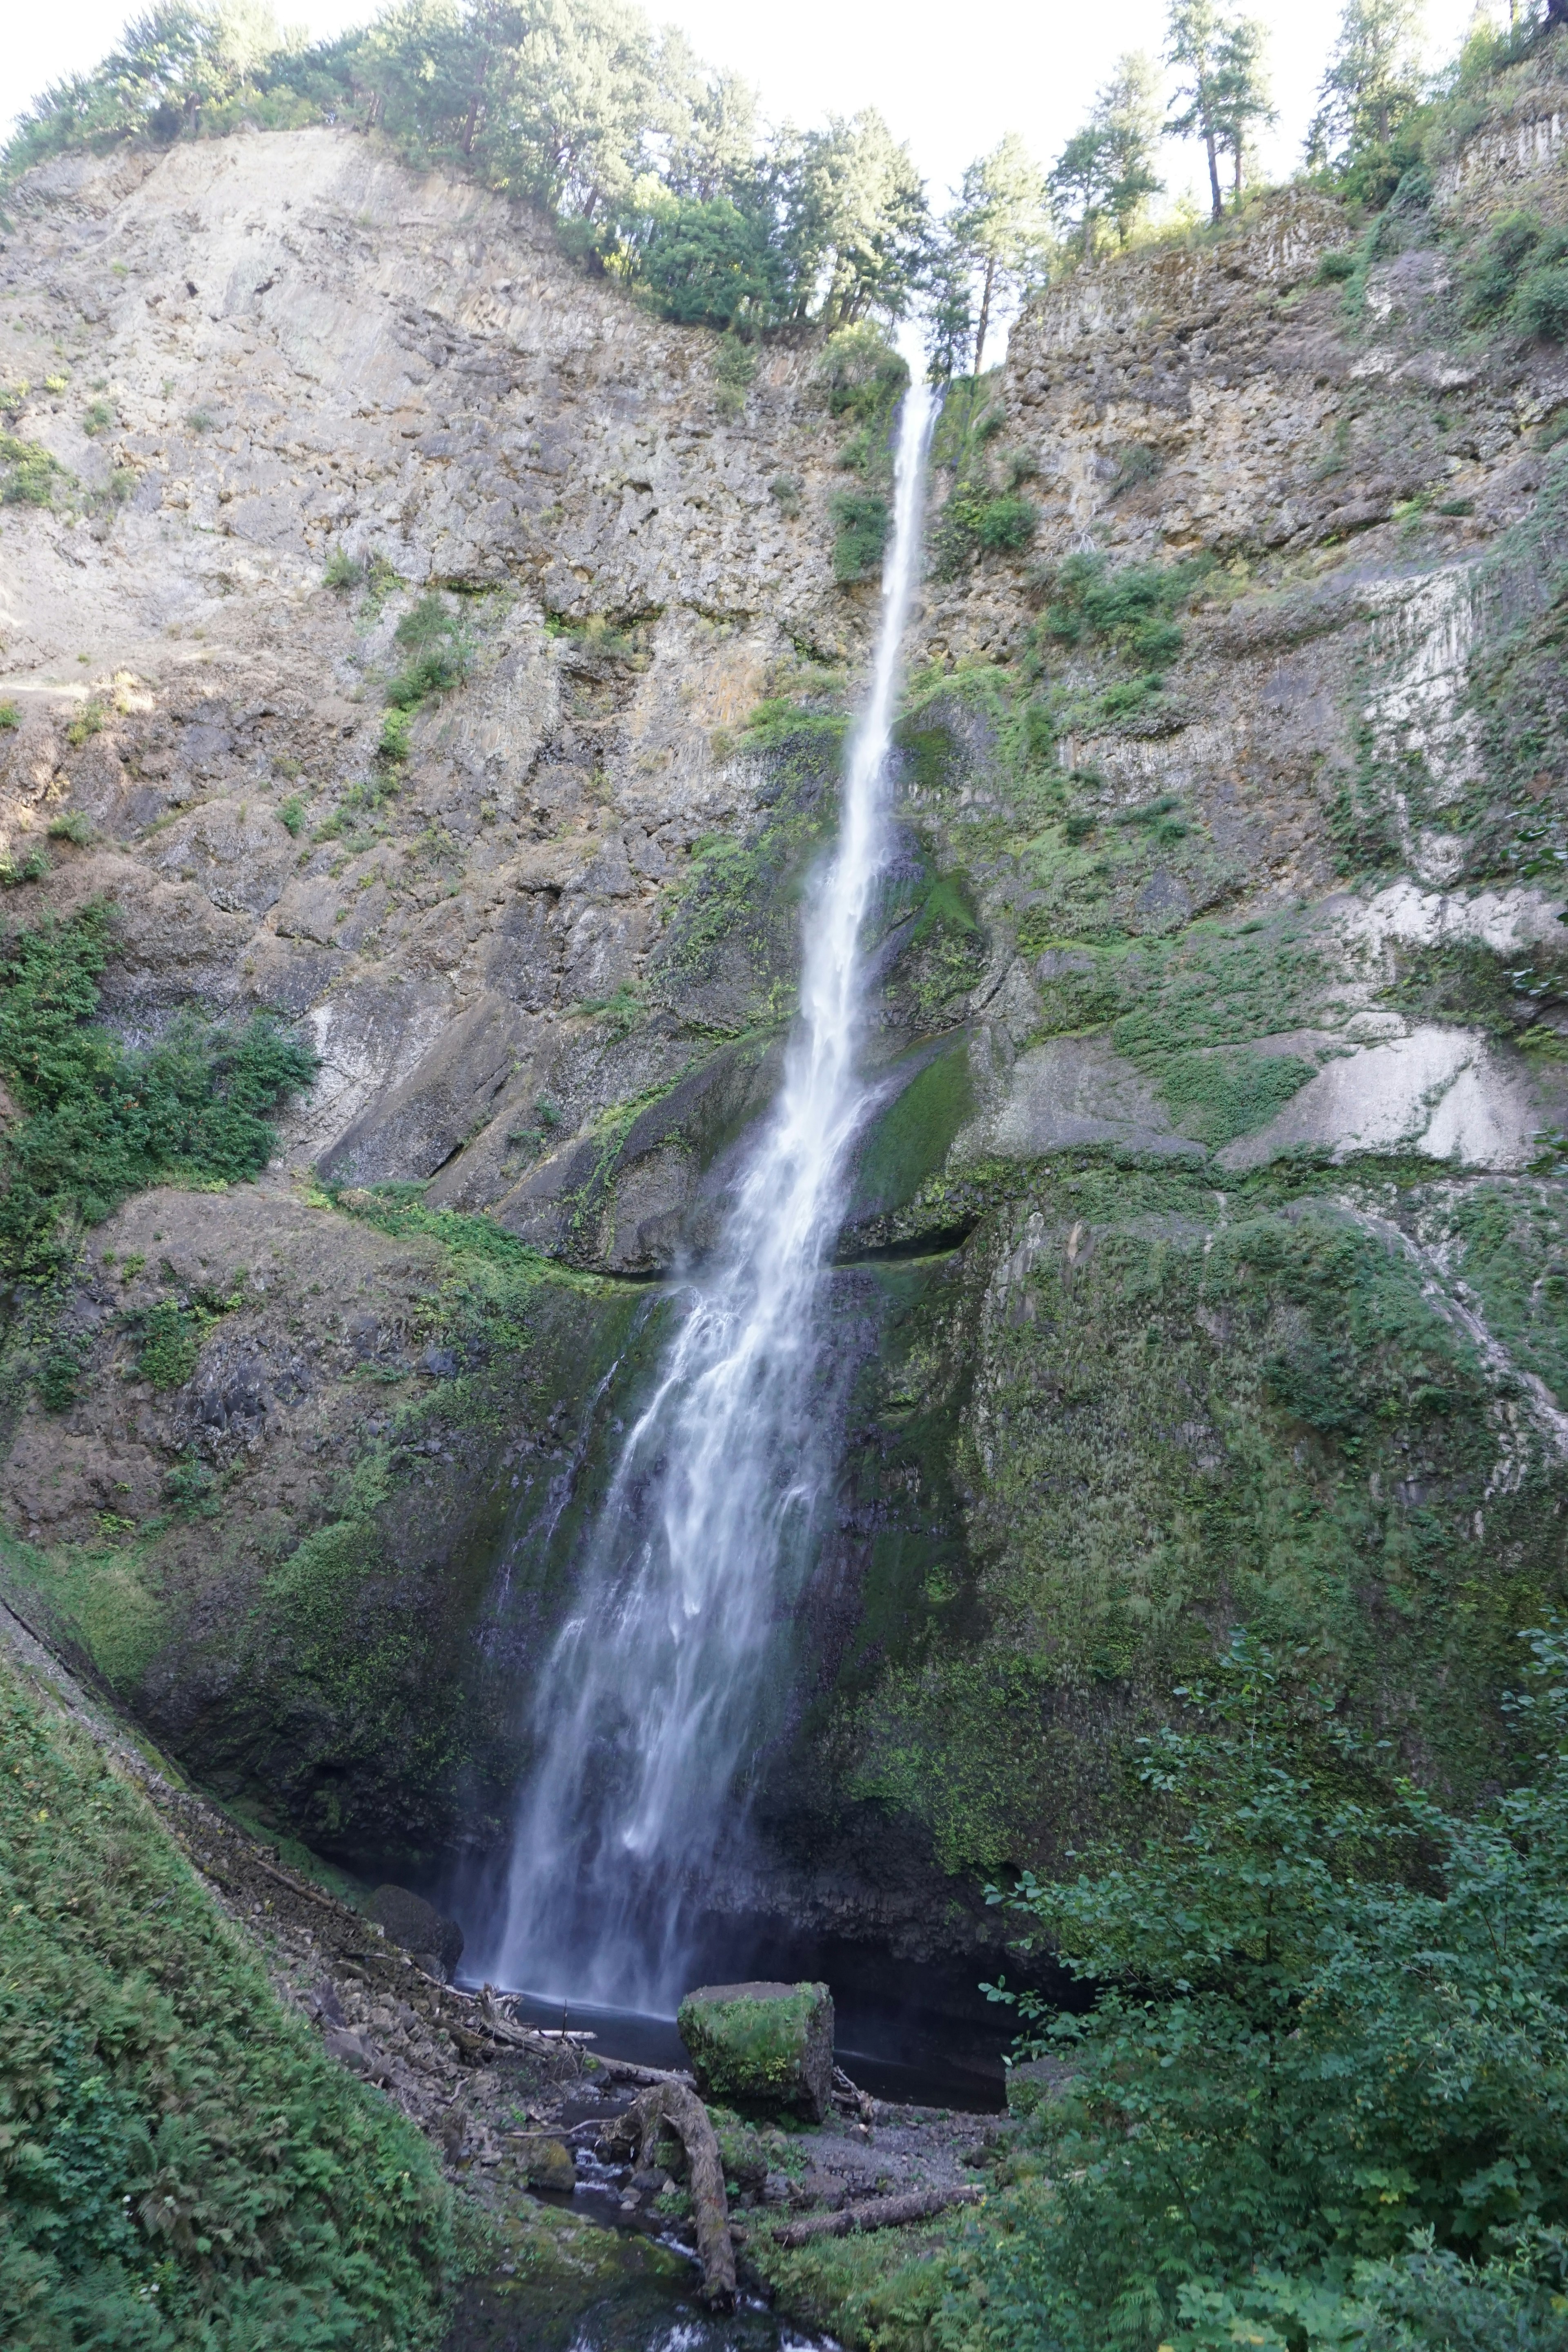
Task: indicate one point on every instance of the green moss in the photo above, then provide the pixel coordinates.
(181, 2162)
(1183, 1418)
(750, 2053)
(861, 522)
(170, 1345)
(911, 1140)
(1218, 1096)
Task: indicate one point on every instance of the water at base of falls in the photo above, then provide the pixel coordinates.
(654, 1694)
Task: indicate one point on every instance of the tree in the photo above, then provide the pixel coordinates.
(1326, 2015)
(1373, 79)
(1241, 91)
(1192, 46)
(855, 231)
(1108, 167)
(998, 233)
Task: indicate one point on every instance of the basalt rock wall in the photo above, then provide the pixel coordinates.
(1207, 1260)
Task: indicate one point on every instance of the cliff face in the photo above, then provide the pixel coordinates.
(1207, 1260)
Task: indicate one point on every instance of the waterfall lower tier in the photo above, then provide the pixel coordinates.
(656, 1692)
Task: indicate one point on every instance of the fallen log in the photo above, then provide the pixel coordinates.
(674, 2104)
(875, 2213)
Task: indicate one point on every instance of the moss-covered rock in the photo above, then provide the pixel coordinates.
(762, 2046)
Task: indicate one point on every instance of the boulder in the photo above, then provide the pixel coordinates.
(550, 2165)
(435, 1942)
(762, 2047)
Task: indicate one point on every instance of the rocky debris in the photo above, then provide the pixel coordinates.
(761, 2048)
(435, 1942)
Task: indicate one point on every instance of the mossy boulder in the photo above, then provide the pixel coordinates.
(762, 2047)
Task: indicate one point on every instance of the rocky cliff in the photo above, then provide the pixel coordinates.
(1208, 1259)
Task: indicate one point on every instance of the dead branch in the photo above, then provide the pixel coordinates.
(876, 2213)
(675, 2104)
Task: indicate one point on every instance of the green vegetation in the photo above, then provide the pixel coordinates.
(1329, 2027)
(292, 815)
(439, 655)
(100, 1120)
(27, 473)
(1521, 275)
(862, 524)
(180, 2163)
(343, 570)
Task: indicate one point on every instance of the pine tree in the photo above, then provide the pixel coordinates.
(998, 233)
(1108, 167)
(1242, 100)
(1374, 80)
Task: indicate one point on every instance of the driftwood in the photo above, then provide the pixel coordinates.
(875, 2213)
(673, 2102)
(850, 2096)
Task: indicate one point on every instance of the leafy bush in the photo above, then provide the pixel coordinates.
(1328, 2018)
(1335, 268)
(71, 825)
(863, 376)
(862, 522)
(101, 1120)
(785, 492)
(181, 2165)
(441, 656)
(170, 1345)
(343, 570)
(10, 716)
(34, 867)
(27, 473)
(96, 417)
(1002, 526)
(291, 815)
(706, 262)
(1540, 306)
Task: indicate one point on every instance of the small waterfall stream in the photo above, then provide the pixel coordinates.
(654, 1692)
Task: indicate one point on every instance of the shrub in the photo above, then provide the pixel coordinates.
(291, 815)
(1335, 268)
(32, 868)
(10, 716)
(1540, 306)
(863, 373)
(784, 491)
(170, 1342)
(344, 571)
(27, 473)
(1002, 526)
(96, 416)
(441, 656)
(393, 745)
(71, 825)
(181, 2165)
(706, 262)
(862, 522)
(1326, 2016)
(100, 1120)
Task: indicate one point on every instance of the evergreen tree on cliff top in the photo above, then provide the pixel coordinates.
(1374, 81)
(1221, 93)
(1106, 171)
(996, 240)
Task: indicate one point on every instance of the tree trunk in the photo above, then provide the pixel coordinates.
(683, 2111)
(876, 2213)
(984, 312)
(1217, 199)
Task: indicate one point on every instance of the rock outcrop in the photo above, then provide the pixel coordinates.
(1208, 1251)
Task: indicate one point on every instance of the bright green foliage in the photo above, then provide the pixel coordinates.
(27, 473)
(180, 2163)
(707, 262)
(1520, 276)
(170, 1345)
(342, 570)
(1131, 605)
(1327, 2015)
(994, 242)
(10, 716)
(862, 522)
(101, 1120)
(440, 654)
(292, 815)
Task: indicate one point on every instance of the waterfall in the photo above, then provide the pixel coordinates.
(650, 1700)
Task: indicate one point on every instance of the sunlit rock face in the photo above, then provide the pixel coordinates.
(1205, 1261)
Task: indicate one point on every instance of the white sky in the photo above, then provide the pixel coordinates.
(949, 81)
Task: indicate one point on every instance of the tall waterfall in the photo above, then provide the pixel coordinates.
(652, 1696)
